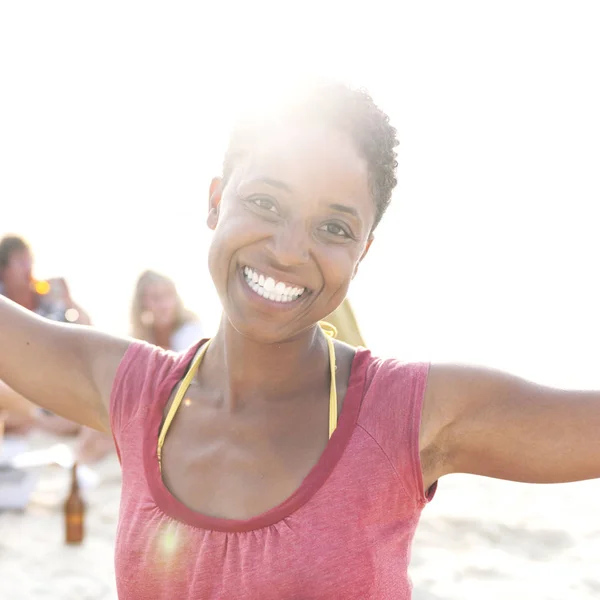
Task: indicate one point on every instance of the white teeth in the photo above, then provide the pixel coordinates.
(267, 287)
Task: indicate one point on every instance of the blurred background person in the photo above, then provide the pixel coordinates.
(159, 316)
(48, 298)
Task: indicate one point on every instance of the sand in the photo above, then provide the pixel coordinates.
(479, 538)
(36, 564)
(484, 538)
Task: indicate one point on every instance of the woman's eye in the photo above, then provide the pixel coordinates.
(264, 203)
(335, 229)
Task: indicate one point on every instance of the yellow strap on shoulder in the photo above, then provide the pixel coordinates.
(183, 388)
(333, 409)
(330, 333)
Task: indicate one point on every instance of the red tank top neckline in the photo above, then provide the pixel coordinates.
(316, 477)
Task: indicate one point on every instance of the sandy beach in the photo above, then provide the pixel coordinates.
(484, 538)
(479, 538)
(35, 563)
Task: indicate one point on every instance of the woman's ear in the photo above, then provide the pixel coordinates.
(214, 202)
(369, 242)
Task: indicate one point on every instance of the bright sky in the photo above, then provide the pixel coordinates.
(114, 117)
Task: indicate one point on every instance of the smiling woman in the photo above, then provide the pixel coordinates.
(303, 188)
(239, 479)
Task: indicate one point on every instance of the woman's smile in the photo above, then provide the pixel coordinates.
(268, 291)
(270, 288)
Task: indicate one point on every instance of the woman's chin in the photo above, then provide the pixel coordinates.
(163, 324)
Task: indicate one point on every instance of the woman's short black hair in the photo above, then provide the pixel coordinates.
(351, 111)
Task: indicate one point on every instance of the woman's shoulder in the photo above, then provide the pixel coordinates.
(146, 361)
(389, 372)
(391, 407)
(393, 390)
(145, 374)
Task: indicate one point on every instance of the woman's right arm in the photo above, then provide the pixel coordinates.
(14, 403)
(67, 369)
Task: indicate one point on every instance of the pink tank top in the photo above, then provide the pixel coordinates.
(345, 533)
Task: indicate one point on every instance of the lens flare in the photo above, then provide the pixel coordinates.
(169, 545)
(72, 315)
(42, 287)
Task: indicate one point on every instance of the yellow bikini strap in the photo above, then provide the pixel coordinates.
(333, 408)
(331, 332)
(183, 388)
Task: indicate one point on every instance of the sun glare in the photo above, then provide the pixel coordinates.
(108, 151)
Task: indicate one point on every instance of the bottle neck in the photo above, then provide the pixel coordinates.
(74, 480)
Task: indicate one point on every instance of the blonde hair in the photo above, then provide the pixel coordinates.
(144, 330)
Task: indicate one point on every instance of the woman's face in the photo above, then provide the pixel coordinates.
(18, 272)
(291, 226)
(160, 304)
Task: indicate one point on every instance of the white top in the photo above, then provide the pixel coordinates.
(188, 334)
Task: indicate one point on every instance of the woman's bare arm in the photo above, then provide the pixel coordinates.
(15, 403)
(67, 369)
(489, 423)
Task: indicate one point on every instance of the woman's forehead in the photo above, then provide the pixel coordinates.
(303, 140)
(307, 160)
(21, 256)
(159, 287)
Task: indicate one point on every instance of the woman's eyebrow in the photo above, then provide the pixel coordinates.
(345, 209)
(272, 182)
(284, 186)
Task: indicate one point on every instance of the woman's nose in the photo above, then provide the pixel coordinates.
(290, 246)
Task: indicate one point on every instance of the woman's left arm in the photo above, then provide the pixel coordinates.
(490, 423)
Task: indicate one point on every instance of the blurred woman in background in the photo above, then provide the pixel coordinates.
(158, 315)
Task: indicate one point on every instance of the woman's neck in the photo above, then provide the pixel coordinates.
(162, 336)
(245, 369)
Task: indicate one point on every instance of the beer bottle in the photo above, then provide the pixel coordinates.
(74, 511)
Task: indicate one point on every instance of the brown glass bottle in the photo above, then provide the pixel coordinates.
(74, 512)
